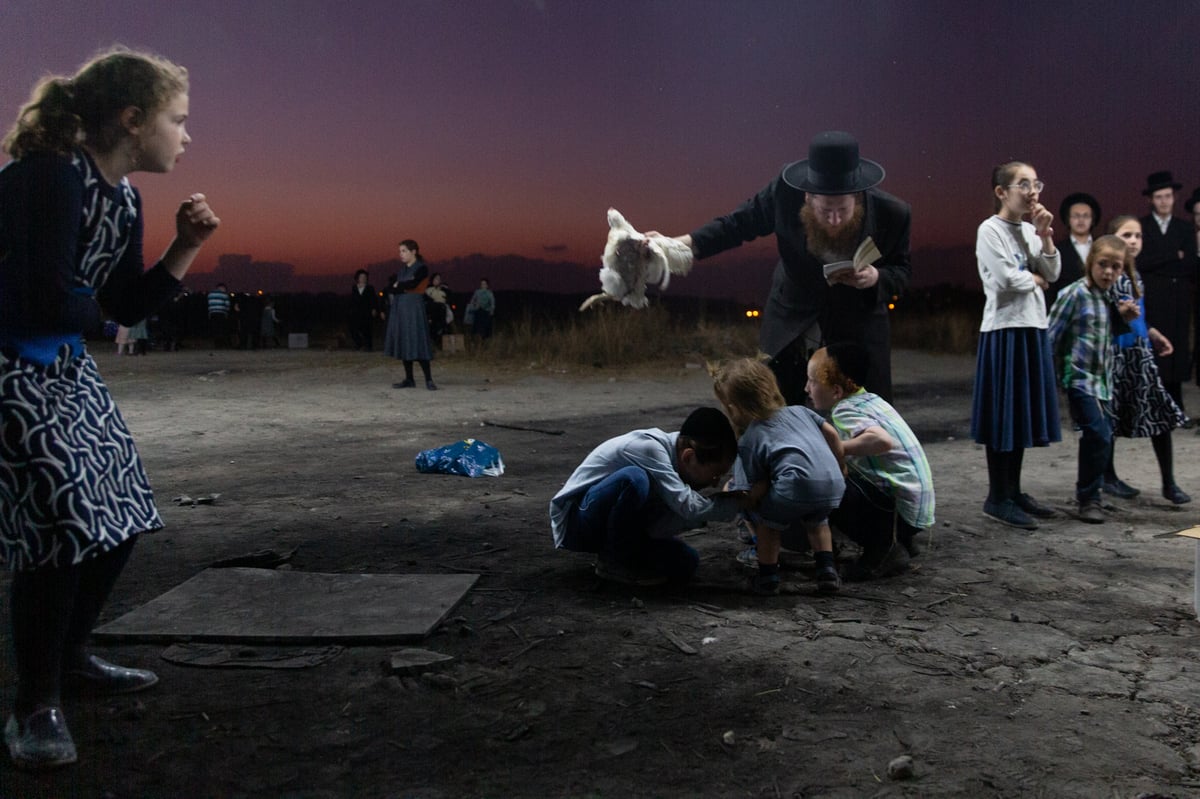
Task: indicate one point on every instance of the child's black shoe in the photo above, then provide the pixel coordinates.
(828, 581)
(765, 584)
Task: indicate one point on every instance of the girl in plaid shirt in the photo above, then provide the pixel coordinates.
(1081, 336)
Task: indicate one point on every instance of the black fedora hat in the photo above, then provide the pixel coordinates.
(1064, 210)
(1160, 180)
(833, 167)
(1191, 201)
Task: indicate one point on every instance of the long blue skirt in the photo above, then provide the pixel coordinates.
(1015, 401)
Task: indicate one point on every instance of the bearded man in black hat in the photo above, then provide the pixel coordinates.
(820, 210)
(1081, 212)
(1167, 264)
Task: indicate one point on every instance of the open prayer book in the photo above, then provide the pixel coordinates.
(866, 254)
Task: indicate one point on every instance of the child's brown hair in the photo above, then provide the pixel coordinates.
(1110, 244)
(1130, 259)
(748, 385)
(63, 112)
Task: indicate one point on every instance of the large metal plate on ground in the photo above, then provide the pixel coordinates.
(268, 606)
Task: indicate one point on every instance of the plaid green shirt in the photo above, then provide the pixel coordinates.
(1081, 334)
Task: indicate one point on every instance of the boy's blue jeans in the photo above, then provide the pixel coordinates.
(611, 520)
(1094, 443)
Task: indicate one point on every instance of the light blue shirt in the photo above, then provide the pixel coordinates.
(680, 506)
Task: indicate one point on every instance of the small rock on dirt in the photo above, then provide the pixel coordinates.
(901, 768)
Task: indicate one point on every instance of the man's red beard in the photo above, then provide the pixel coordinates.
(832, 243)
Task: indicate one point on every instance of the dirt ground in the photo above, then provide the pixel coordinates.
(1057, 663)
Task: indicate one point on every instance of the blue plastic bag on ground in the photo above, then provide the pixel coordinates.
(467, 457)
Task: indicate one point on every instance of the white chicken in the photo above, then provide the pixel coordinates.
(632, 260)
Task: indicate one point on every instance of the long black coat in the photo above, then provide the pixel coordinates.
(1170, 289)
(1072, 269)
(799, 294)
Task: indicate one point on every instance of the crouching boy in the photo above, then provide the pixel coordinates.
(889, 495)
(633, 494)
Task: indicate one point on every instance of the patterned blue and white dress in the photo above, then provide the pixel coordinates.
(1141, 406)
(72, 485)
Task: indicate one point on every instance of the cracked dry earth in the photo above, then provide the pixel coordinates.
(1054, 663)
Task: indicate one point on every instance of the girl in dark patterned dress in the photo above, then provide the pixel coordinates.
(73, 493)
(1142, 407)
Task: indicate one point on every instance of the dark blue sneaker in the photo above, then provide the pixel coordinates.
(1120, 489)
(1008, 512)
(1174, 494)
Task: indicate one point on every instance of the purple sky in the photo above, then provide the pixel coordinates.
(324, 132)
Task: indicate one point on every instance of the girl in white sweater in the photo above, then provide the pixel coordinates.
(1015, 402)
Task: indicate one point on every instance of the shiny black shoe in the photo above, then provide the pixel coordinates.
(1034, 508)
(405, 384)
(1120, 489)
(101, 676)
(40, 741)
(429, 384)
(1174, 494)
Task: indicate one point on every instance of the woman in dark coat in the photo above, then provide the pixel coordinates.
(407, 336)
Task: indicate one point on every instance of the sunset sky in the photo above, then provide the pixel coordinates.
(324, 132)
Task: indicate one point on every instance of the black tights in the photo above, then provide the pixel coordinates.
(408, 372)
(1163, 451)
(1004, 474)
(53, 612)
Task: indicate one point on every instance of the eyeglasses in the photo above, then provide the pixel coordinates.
(1026, 187)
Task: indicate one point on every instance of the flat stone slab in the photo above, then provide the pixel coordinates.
(274, 607)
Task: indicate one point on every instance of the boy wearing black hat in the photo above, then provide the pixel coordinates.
(1081, 212)
(1167, 264)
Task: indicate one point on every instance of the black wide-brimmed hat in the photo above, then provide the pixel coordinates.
(1160, 180)
(1064, 210)
(833, 167)
(1190, 203)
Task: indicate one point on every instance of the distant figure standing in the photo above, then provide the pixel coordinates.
(1193, 209)
(249, 308)
(481, 311)
(1167, 264)
(364, 307)
(1081, 214)
(124, 341)
(268, 328)
(171, 322)
(407, 335)
(439, 308)
(1190, 205)
(219, 306)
